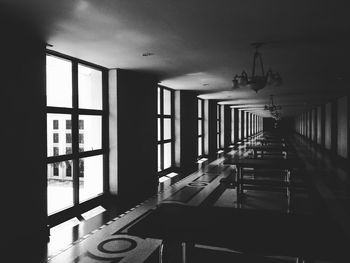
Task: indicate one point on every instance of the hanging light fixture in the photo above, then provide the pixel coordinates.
(274, 109)
(256, 81)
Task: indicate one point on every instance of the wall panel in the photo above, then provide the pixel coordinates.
(342, 124)
(328, 126)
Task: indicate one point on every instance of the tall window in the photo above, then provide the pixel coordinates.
(245, 125)
(239, 125)
(200, 133)
(76, 112)
(165, 129)
(233, 125)
(218, 126)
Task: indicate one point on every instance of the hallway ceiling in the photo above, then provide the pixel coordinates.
(200, 44)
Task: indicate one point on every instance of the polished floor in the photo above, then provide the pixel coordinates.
(102, 236)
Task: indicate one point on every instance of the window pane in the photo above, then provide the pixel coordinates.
(200, 146)
(199, 108)
(167, 155)
(59, 186)
(56, 134)
(159, 135)
(159, 158)
(199, 127)
(90, 177)
(158, 101)
(167, 102)
(58, 82)
(55, 124)
(167, 129)
(90, 137)
(68, 124)
(89, 88)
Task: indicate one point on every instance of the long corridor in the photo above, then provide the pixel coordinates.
(105, 238)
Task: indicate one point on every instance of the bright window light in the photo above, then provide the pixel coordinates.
(163, 179)
(171, 175)
(202, 160)
(93, 212)
(67, 224)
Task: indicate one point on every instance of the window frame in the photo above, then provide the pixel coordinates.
(161, 141)
(76, 155)
(200, 118)
(218, 127)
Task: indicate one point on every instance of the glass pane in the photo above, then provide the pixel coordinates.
(200, 146)
(167, 155)
(218, 126)
(158, 101)
(199, 108)
(159, 135)
(232, 125)
(90, 177)
(199, 127)
(90, 136)
(59, 186)
(167, 102)
(159, 158)
(58, 82)
(218, 141)
(167, 129)
(89, 88)
(218, 112)
(57, 133)
(239, 126)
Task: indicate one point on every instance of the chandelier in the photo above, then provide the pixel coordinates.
(256, 81)
(274, 109)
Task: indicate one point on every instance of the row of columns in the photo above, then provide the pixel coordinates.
(327, 126)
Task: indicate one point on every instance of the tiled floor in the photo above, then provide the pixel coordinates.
(103, 238)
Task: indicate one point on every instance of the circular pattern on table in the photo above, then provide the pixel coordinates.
(117, 245)
(198, 184)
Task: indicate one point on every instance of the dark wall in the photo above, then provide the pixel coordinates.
(188, 131)
(320, 125)
(313, 125)
(334, 124)
(137, 135)
(286, 125)
(342, 126)
(23, 133)
(328, 126)
(268, 124)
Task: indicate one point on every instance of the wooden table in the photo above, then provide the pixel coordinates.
(271, 141)
(284, 164)
(268, 148)
(255, 232)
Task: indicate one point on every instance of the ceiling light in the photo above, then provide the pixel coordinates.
(274, 109)
(256, 81)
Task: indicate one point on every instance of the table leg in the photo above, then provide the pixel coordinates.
(161, 250)
(184, 255)
(241, 182)
(238, 181)
(288, 190)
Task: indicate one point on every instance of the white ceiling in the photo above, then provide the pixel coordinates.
(200, 44)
